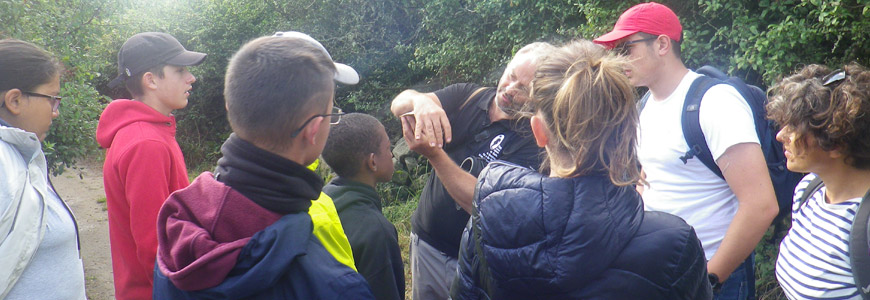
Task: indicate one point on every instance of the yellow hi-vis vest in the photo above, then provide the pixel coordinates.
(327, 227)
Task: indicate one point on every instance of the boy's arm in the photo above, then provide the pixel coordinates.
(145, 169)
(745, 171)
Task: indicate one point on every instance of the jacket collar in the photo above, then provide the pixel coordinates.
(273, 182)
(341, 186)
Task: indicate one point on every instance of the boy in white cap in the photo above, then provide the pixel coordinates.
(244, 232)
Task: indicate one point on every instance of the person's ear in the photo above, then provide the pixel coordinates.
(309, 133)
(13, 101)
(539, 129)
(148, 81)
(663, 45)
(370, 162)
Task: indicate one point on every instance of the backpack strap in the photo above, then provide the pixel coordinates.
(468, 100)
(692, 124)
(815, 185)
(859, 247)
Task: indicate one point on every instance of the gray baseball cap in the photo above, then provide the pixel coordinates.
(148, 49)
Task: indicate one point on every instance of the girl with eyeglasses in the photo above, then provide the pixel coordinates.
(825, 119)
(39, 247)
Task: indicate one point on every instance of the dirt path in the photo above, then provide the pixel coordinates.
(82, 189)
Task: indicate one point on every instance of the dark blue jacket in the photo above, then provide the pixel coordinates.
(283, 261)
(537, 237)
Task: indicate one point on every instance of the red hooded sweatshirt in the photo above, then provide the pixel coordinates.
(143, 166)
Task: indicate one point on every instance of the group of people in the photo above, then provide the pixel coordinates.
(551, 185)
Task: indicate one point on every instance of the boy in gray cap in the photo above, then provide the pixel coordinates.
(143, 161)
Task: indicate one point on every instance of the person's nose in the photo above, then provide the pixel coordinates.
(781, 135)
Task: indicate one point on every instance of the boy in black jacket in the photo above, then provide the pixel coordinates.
(358, 150)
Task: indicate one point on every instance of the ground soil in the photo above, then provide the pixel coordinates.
(82, 189)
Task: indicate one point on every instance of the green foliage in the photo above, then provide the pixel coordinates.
(399, 44)
(72, 31)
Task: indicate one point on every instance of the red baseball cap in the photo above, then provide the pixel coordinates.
(651, 17)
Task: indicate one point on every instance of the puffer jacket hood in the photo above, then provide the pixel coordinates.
(123, 112)
(538, 237)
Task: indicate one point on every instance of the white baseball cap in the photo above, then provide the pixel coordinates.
(343, 73)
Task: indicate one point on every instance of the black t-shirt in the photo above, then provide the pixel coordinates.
(438, 220)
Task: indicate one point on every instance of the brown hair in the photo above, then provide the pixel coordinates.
(25, 66)
(836, 115)
(134, 83)
(588, 105)
(272, 84)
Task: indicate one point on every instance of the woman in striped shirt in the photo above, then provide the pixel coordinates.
(825, 119)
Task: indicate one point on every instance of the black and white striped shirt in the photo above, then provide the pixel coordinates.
(813, 258)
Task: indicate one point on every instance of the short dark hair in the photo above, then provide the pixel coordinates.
(837, 115)
(272, 83)
(25, 66)
(134, 83)
(676, 45)
(350, 142)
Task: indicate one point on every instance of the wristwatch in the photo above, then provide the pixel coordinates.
(714, 282)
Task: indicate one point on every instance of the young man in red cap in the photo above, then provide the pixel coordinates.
(143, 161)
(730, 216)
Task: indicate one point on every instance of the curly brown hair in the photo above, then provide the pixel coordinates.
(588, 106)
(836, 115)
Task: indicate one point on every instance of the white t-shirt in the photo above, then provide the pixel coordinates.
(691, 191)
(813, 260)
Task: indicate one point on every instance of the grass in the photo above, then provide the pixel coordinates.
(400, 215)
(102, 202)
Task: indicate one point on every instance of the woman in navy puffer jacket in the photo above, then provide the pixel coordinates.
(580, 233)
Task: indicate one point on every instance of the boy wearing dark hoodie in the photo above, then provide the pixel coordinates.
(358, 151)
(244, 232)
(143, 161)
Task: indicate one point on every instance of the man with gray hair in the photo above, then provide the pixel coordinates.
(487, 129)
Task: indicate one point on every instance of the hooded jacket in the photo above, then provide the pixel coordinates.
(29, 210)
(212, 236)
(537, 237)
(143, 166)
(372, 237)
(244, 232)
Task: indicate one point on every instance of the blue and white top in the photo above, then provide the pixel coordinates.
(813, 260)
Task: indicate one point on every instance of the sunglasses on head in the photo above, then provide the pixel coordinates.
(834, 77)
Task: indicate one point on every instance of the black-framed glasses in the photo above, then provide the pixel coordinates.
(834, 77)
(334, 118)
(623, 49)
(55, 100)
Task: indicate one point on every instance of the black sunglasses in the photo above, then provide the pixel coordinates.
(334, 118)
(55, 100)
(834, 77)
(623, 49)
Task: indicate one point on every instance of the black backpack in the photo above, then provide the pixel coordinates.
(784, 181)
(859, 238)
